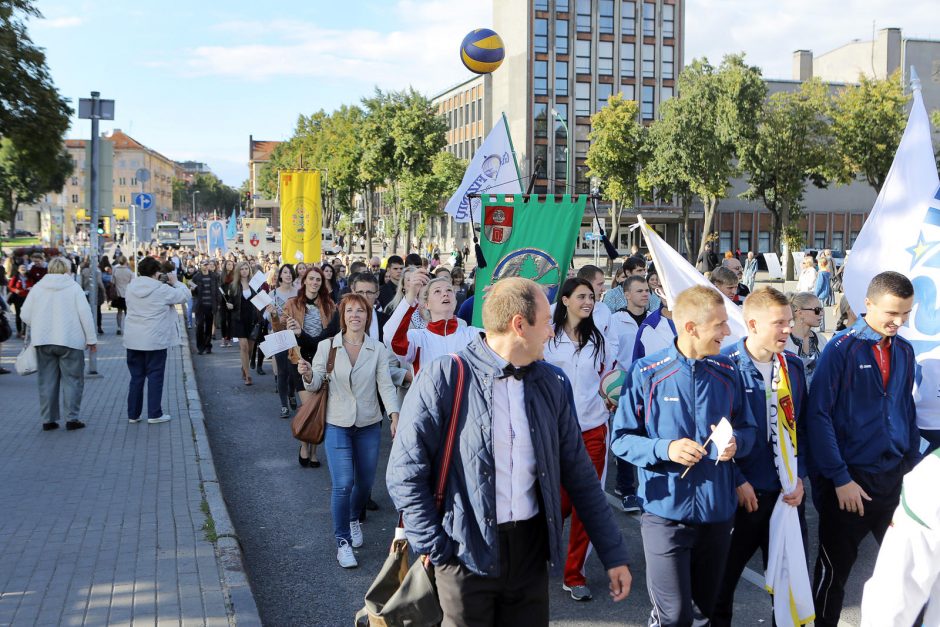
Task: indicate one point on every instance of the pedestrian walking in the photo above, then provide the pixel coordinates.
(671, 402)
(807, 280)
(863, 426)
(283, 291)
(206, 296)
(88, 275)
(228, 277)
(805, 341)
(360, 376)
(580, 351)
(18, 287)
(244, 316)
(750, 271)
(502, 534)
(150, 329)
(123, 276)
(61, 328)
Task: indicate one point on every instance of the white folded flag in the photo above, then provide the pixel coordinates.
(493, 169)
(676, 275)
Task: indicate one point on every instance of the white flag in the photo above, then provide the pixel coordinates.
(676, 274)
(492, 170)
(902, 234)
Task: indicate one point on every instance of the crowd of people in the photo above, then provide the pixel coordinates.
(395, 339)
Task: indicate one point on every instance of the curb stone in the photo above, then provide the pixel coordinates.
(241, 607)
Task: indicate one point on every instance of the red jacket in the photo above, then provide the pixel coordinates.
(19, 285)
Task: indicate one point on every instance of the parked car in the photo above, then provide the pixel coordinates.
(269, 233)
(20, 233)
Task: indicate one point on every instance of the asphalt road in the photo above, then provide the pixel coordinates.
(282, 518)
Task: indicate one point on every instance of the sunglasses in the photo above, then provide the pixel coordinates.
(815, 310)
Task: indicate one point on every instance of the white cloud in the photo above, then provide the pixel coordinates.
(425, 55)
(769, 32)
(70, 21)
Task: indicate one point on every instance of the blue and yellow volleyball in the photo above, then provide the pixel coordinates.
(482, 51)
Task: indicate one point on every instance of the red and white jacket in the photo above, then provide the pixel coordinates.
(437, 339)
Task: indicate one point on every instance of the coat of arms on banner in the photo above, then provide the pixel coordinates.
(497, 223)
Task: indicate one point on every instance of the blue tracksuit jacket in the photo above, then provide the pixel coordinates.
(853, 420)
(757, 467)
(666, 397)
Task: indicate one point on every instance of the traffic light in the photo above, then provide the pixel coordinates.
(100, 226)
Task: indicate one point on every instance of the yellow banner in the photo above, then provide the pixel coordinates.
(253, 232)
(301, 216)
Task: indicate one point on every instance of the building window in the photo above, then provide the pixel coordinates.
(581, 148)
(541, 35)
(604, 90)
(74, 199)
(744, 241)
(562, 110)
(561, 78)
(582, 99)
(724, 240)
(541, 5)
(649, 19)
(560, 161)
(627, 60)
(819, 240)
(134, 181)
(649, 61)
(763, 241)
(541, 78)
(646, 107)
(669, 20)
(666, 93)
(561, 37)
(583, 16)
(540, 117)
(582, 180)
(667, 62)
(541, 152)
(561, 5)
(605, 21)
(74, 180)
(628, 91)
(582, 56)
(605, 57)
(838, 240)
(628, 18)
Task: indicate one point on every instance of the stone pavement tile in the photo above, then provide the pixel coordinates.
(96, 521)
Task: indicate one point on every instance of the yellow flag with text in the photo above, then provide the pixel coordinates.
(301, 216)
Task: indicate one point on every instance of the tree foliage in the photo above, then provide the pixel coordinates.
(793, 144)
(617, 152)
(868, 120)
(213, 195)
(33, 116)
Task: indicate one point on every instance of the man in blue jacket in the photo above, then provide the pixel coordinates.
(768, 316)
(862, 424)
(671, 402)
(518, 443)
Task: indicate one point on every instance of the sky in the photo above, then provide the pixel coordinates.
(193, 80)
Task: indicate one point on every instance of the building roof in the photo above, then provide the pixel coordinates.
(261, 150)
(123, 141)
(75, 143)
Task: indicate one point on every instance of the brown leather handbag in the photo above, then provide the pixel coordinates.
(309, 423)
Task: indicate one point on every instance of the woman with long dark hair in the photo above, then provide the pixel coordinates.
(312, 316)
(329, 277)
(226, 278)
(579, 349)
(244, 315)
(284, 290)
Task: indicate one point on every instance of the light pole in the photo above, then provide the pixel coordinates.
(194, 208)
(564, 125)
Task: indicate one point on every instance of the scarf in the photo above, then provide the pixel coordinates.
(786, 576)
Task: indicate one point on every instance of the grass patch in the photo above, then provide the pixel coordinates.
(208, 527)
(16, 242)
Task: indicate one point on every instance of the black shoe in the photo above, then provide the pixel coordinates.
(208, 350)
(251, 364)
(119, 332)
(260, 370)
(101, 331)
(303, 461)
(202, 351)
(314, 463)
(4, 371)
(372, 506)
(72, 425)
(292, 402)
(50, 426)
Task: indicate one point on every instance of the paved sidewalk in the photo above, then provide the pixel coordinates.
(107, 525)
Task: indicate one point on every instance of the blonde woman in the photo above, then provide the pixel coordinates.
(806, 343)
(244, 315)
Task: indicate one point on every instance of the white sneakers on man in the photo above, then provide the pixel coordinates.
(161, 419)
(355, 532)
(344, 555)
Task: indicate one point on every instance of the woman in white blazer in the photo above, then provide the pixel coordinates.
(353, 416)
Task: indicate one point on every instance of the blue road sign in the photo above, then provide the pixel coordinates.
(143, 200)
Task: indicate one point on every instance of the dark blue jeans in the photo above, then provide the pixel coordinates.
(352, 454)
(145, 366)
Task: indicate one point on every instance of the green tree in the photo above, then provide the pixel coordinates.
(616, 155)
(33, 116)
(661, 177)
(935, 122)
(793, 145)
(868, 120)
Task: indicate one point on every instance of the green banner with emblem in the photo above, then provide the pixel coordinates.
(532, 237)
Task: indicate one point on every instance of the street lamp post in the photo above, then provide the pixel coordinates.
(564, 125)
(194, 208)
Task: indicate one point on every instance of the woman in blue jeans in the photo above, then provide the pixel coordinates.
(353, 416)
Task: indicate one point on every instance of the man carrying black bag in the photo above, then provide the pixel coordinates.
(518, 443)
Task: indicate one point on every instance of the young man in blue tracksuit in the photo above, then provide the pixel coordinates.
(670, 403)
(862, 424)
(768, 316)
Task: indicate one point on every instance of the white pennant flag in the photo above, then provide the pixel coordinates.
(676, 275)
(492, 170)
(902, 234)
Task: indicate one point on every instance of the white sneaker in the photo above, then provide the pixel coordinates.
(355, 531)
(344, 555)
(156, 421)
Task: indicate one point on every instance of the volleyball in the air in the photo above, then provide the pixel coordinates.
(612, 385)
(482, 51)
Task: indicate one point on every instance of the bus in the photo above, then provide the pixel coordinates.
(167, 234)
